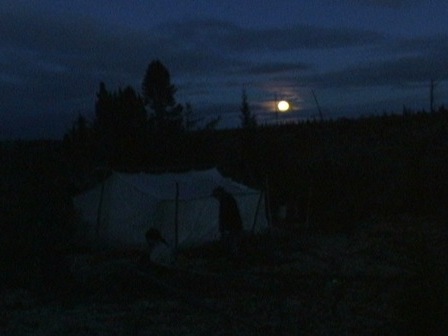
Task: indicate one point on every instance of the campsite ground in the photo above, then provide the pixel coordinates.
(388, 277)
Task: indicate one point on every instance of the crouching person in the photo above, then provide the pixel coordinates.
(154, 240)
(230, 222)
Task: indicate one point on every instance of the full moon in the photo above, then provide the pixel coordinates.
(283, 106)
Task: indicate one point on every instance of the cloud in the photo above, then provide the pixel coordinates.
(213, 47)
(394, 4)
(391, 4)
(420, 45)
(400, 71)
(270, 68)
(222, 34)
(53, 62)
(405, 61)
(208, 47)
(300, 37)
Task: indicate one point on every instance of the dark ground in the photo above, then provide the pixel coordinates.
(387, 278)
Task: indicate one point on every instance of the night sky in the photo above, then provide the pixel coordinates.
(358, 56)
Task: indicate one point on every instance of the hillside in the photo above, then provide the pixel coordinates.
(361, 247)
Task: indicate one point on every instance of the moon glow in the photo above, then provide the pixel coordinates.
(283, 106)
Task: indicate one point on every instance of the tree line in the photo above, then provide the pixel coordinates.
(331, 175)
(126, 120)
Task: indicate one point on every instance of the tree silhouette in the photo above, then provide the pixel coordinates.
(80, 131)
(248, 120)
(191, 120)
(120, 120)
(103, 108)
(212, 124)
(79, 141)
(120, 113)
(158, 95)
(131, 114)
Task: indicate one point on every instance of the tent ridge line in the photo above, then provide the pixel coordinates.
(145, 192)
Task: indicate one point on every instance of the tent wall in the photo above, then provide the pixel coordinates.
(125, 214)
(196, 221)
(116, 215)
(128, 205)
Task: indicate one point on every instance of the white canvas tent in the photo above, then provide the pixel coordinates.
(118, 212)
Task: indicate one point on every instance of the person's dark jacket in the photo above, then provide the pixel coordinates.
(229, 215)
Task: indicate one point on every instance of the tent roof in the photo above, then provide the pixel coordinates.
(192, 184)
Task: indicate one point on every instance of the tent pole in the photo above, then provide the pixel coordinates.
(256, 211)
(99, 211)
(268, 202)
(176, 221)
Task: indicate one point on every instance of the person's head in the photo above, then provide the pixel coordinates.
(218, 192)
(154, 236)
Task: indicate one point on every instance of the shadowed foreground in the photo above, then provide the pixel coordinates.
(387, 278)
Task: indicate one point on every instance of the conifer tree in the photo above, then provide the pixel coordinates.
(158, 94)
(120, 122)
(248, 120)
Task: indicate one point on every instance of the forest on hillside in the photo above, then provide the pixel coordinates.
(324, 171)
(366, 197)
(330, 175)
(354, 203)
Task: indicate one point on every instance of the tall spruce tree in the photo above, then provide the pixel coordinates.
(158, 94)
(191, 119)
(119, 114)
(120, 121)
(248, 120)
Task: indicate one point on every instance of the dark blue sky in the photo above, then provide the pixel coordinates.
(358, 56)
